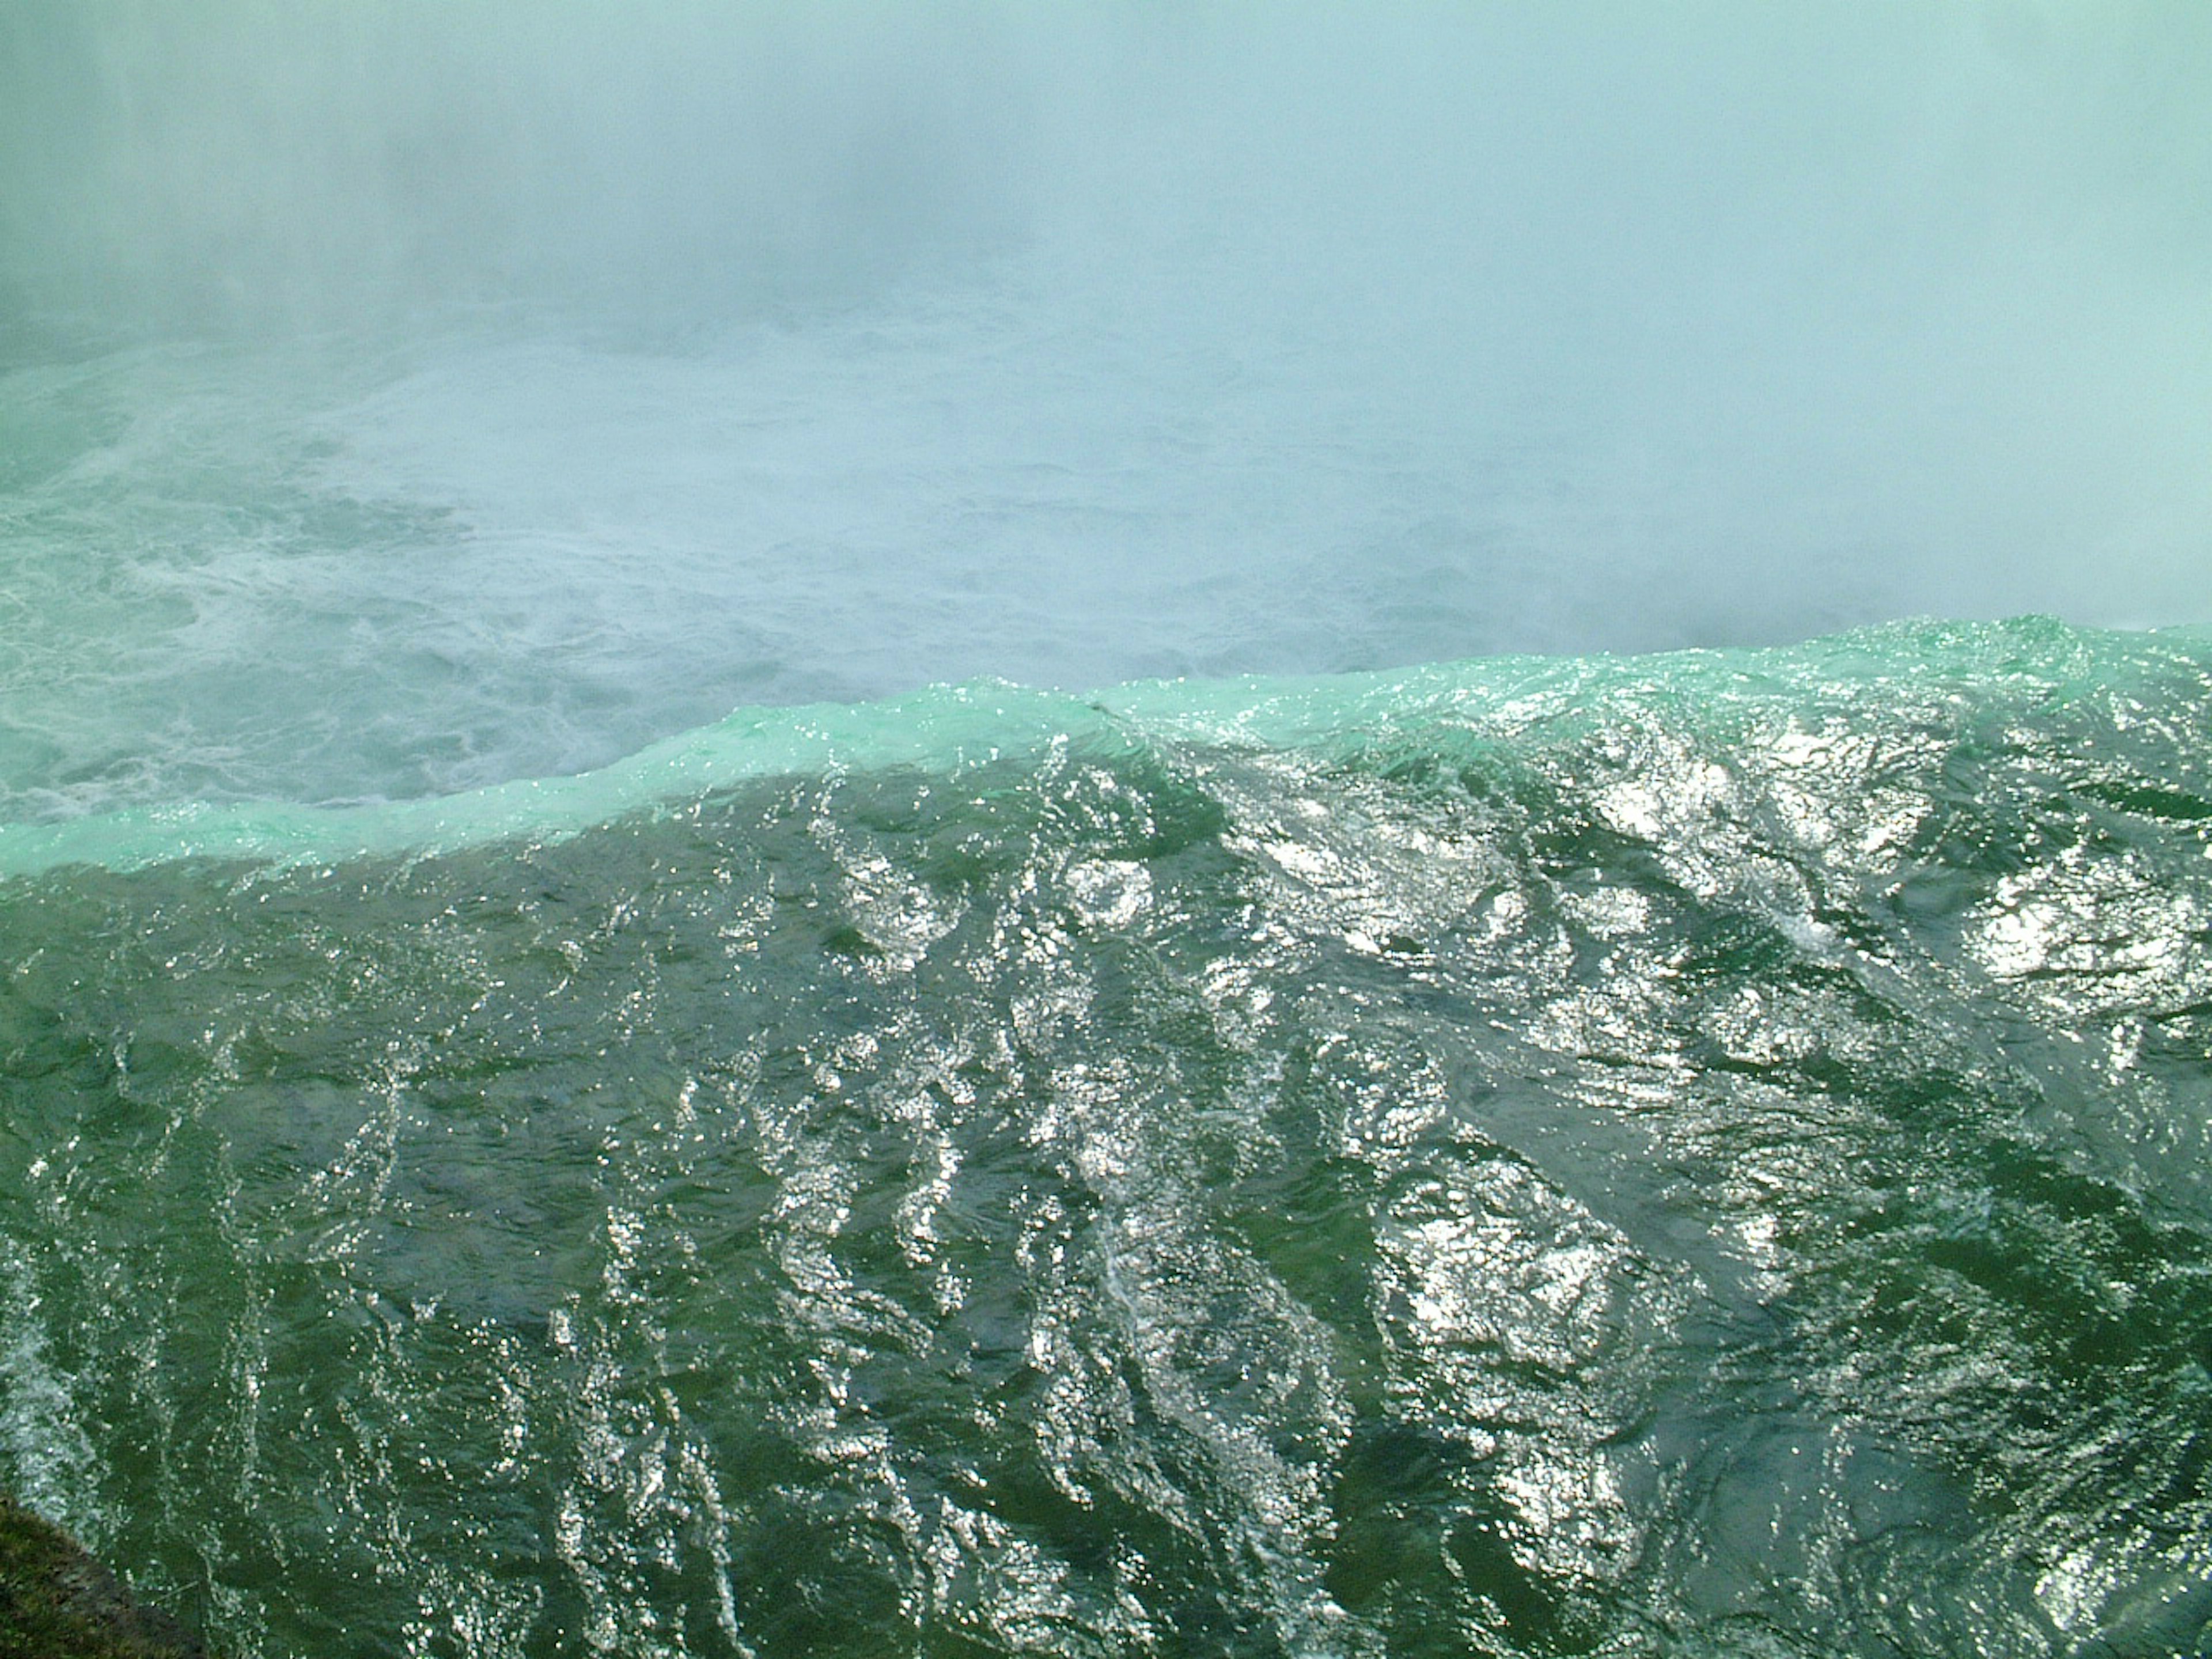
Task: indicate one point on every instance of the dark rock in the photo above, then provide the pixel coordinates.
(57, 1602)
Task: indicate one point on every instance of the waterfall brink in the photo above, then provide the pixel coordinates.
(1101, 829)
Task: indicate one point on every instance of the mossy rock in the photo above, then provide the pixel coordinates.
(56, 1602)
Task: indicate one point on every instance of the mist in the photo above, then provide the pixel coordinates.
(582, 372)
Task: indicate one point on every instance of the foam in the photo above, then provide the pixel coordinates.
(953, 729)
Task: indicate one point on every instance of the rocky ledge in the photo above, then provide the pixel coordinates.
(56, 1602)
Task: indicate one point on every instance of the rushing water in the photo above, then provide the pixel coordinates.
(1701, 1155)
(1160, 1086)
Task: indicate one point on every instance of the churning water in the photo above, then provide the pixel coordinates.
(1151, 1089)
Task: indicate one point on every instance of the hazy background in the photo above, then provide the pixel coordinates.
(402, 396)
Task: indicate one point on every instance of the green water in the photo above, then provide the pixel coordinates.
(1691, 1155)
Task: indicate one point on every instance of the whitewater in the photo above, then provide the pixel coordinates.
(978, 831)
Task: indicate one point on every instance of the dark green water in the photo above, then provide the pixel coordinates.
(1692, 1154)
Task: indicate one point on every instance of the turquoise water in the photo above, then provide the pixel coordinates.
(1697, 1154)
(1097, 829)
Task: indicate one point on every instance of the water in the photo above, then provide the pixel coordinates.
(1696, 1155)
(839, 834)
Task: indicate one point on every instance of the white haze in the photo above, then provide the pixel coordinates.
(608, 367)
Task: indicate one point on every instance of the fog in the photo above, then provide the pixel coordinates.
(722, 352)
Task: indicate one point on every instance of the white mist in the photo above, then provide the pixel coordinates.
(454, 393)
